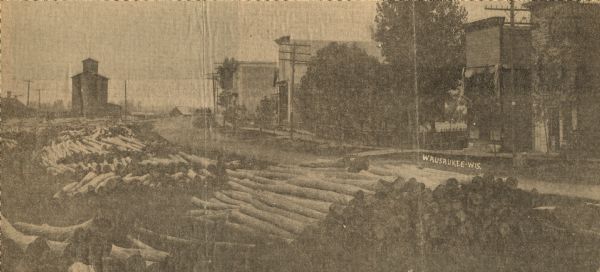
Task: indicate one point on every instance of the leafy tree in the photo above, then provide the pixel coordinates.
(226, 71)
(332, 92)
(265, 112)
(440, 49)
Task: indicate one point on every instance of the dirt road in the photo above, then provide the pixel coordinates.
(180, 131)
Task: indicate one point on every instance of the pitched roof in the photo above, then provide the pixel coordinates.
(184, 110)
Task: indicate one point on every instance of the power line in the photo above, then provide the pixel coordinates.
(511, 42)
(293, 61)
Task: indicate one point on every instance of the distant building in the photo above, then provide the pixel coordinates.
(487, 85)
(11, 107)
(182, 111)
(252, 81)
(305, 49)
(90, 92)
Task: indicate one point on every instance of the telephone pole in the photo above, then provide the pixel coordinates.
(416, 80)
(28, 87)
(511, 41)
(293, 61)
(39, 99)
(125, 96)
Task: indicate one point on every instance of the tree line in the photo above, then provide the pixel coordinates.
(349, 95)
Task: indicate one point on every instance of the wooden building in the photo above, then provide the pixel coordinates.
(566, 76)
(90, 92)
(494, 110)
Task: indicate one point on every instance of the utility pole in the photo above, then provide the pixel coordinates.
(512, 80)
(39, 98)
(28, 87)
(511, 41)
(291, 93)
(125, 96)
(293, 61)
(416, 81)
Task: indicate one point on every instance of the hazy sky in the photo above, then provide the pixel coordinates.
(164, 49)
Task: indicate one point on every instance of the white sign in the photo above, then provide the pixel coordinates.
(453, 163)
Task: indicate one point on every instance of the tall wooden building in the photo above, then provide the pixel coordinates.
(494, 110)
(90, 91)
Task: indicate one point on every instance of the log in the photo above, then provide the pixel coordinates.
(246, 198)
(216, 201)
(171, 240)
(210, 205)
(328, 186)
(52, 232)
(235, 184)
(255, 232)
(137, 243)
(148, 254)
(207, 213)
(322, 206)
(30, 246)
(300, 207)
(81, 267)
(228, 200)
(283, 222)
(91, 185)
(203, 162)
(260, 224)
(267, 173)
(261, 206)
(309, 193)
(380, 171)
(241, 174)
(367, 184)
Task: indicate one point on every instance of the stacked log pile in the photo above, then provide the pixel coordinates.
(83, 247)
(279, 202)
(105, 159)
(405, 226)
(7, 144)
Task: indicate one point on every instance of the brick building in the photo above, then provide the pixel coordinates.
(566, 76)
(487, 86)
(90, 92)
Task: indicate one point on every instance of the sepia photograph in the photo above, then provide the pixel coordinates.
(293, 136)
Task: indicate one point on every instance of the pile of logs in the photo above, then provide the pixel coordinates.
(83, 247)
(82, 142)
(7, 144)
(281, 201)
(113, 165)
(99, 183)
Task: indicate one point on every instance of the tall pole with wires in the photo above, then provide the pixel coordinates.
(416, 80)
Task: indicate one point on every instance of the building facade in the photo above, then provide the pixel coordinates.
(566, 76)
(252, 81)
(495, 109)
(90, 91)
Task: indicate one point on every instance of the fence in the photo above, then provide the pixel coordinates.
(395, 137)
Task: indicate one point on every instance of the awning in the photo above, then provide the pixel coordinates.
(470, 71)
